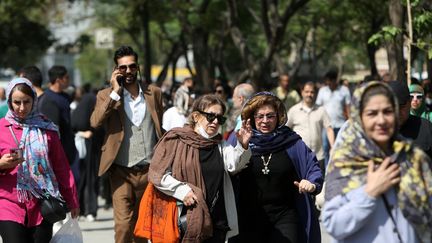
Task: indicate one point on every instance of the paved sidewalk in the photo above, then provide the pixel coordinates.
(101, 230)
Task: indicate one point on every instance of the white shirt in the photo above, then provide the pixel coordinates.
(172, 118)
(309, 124)
(134, 109)
(334, 102)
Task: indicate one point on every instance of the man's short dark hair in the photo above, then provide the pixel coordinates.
(56, 72)
(331, 75)
(33, 74)
(309, 83)
(124, 51)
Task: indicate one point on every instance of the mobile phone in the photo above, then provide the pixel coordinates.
(16, 152)
(121, 79)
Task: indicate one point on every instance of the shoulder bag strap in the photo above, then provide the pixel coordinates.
(13, 135)
(395, 229)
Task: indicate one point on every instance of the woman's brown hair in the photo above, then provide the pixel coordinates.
(259, 100)
(202, 103)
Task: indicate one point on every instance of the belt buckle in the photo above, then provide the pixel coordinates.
(139, 167)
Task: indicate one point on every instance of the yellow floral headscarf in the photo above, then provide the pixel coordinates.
(348, 166)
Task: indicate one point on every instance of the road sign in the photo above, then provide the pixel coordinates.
(104, 38)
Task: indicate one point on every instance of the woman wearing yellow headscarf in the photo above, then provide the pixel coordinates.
(379, 187)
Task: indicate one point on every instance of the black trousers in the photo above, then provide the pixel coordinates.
(281, 227)
(88, 185)
(12, 232)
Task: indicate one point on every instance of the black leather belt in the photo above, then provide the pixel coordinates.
(140, 167)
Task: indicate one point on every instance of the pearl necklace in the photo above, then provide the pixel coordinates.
(266, 170)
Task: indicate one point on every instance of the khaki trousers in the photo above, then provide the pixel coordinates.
(127, 188)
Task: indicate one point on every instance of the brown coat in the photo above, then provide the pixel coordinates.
(179, 150)
(110, 114)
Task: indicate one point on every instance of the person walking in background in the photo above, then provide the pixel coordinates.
(241, 94)
(223, 91)
(3, 103)
(44, 105)
(192, 164)
(3, 96)
(378, 185)
(32, 164)
(283, 91)
(309, 121)
(131, 113)
(59, 81)
(275, 203)
(412, 127)
(418, 104)
(176, 116)
(88, 142)
(335, 99)
(182, 96)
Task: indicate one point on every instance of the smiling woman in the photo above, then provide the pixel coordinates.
(378, 184)
(275, 195)
(378, 115)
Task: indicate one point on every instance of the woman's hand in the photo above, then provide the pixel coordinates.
(381, 179)
(305, 186)
(244, 134)
(190, 199)
(8, 161)
(75, 212)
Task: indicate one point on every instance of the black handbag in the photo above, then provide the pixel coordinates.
(53, 209)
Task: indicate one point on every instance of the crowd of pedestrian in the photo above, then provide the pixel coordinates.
(238, 164)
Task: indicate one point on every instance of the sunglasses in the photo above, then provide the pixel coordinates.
(210, 117)
(270, 116)
(219, 91)
(123, 68)
(416, 96)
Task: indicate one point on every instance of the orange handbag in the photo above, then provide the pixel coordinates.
(157, 217)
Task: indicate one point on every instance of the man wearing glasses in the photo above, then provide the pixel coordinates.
(413, 127)
(418, 104)
(131, 113)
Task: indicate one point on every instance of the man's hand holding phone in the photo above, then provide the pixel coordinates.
(115, 77)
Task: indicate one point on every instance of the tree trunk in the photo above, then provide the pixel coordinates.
(162, 75)
(202, 60)
(371, 50)
(395, 47)
(147, 45)
(429, 68)
(274, 25)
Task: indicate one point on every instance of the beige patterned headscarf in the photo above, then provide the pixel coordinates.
(348, 167)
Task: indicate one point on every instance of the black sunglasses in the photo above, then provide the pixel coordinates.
(210, 117)
(133, 67)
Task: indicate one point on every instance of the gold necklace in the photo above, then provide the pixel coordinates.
(266, 170)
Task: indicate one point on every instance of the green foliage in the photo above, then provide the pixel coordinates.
(95, 65)
(24, 36)
(387, 33)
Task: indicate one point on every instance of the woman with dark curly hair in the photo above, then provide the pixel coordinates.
(275, 203)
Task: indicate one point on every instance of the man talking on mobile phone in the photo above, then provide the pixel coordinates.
(130, 111)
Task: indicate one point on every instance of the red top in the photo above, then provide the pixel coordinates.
(10, 208)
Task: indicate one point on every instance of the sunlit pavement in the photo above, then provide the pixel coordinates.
(102, 230)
